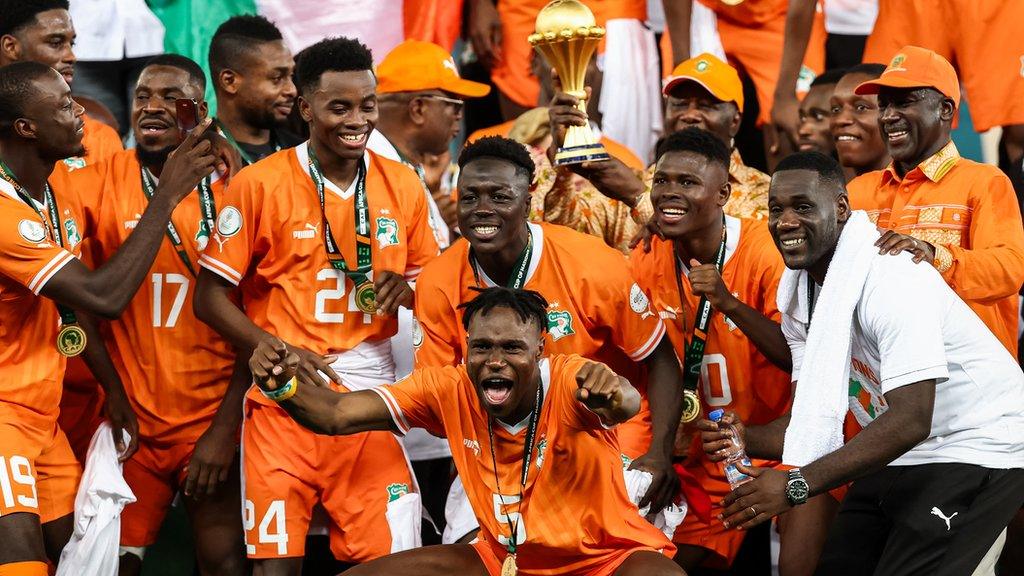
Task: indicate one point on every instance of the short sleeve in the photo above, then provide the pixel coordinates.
(796, 336)
(436, 326)
(27, 256)
(903, 317)
(414, 401)
(621, 304)
(238, 238)
(422, 244)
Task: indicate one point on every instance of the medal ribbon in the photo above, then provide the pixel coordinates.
(694, 356)
(531, 433)
(206, 223)
(52, 225)
(231, 139)
(364, 256)
(519, 269)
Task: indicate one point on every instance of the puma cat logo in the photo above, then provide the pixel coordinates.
(946, 519)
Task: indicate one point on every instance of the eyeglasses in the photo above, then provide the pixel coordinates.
(453, 102)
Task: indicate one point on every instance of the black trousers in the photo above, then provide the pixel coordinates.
(931, 519)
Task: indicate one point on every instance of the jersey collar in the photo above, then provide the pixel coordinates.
(535, 256)
(545, 382)
(302, 157)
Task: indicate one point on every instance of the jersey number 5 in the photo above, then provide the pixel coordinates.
(501, 504)
(323, 297)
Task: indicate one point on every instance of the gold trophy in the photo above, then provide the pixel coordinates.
(567, 36)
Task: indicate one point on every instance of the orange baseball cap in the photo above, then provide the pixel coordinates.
(717, 77)
(915, 67)
(415, 65)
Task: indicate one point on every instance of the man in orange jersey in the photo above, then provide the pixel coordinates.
(39, 237)
(188, 420)
(320, 242)
(42, 31)
(596, 310)
(251, 68)
(553, 502)
(957, 214)
(709, 262)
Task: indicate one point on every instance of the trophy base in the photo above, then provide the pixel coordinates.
(580, 154)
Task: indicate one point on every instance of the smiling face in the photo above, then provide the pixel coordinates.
(154, 116)
(688, 192)
(853, 121)
(690, 105)
(494, 201)
(502, 362)
(813, 134)
(264, 89)
(805, 216)
(48, 40)
(915, 122)
(56, 118)
(341, 111)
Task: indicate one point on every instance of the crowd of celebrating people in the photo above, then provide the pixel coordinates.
(359, 296)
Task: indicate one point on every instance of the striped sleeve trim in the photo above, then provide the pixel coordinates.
(51, 268)
(221, 269)
(413, 273)
(396, 411)
(649, 346)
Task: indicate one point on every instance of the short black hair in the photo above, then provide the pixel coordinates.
(827, 77)
(870, 69)
(699, 142)
(330, 55)
(235, 38)
(501, 149)
(16, 14)
(17, 89)
(827, 168)
(183, 63)
(527, 304)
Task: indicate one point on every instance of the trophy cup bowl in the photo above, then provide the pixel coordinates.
(567, 36)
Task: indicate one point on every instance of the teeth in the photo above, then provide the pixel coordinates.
(846, 138)
(794, 242)
(898, 134)
(485, 229)
(673, 211)
(354, 138)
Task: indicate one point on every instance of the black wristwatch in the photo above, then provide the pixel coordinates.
(796, 487)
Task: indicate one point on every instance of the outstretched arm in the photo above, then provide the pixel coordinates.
(322, 410)
(107, 291)
(606, 394)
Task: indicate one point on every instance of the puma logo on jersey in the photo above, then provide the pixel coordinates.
(472, 445)
(306, 233)
(946, 519)
(669, 313)
(131, 224)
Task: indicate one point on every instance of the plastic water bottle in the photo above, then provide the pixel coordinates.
(736, 455)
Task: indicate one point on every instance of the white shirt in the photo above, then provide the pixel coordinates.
(111, 30)
(910, 326)
(850, 17)
(376, 23)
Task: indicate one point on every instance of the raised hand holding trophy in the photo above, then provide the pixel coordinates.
(567, 36)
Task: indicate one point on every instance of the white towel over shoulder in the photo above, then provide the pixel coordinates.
(103, 493)
(821, 401)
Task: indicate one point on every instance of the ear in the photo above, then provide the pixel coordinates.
(10, 49)
(947, 110)
(417, 111)
(229, 81)
(305, 110)
(540, 347)
(203, 110)
(25, 128)
(843, 211)
(734, 124)
(724, 193)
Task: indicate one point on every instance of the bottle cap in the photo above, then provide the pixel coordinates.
(716, 415)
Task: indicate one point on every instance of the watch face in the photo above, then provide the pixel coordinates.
(796, 490)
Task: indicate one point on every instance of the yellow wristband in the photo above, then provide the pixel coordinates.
(284, 392)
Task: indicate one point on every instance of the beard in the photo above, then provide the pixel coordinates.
(150, 158)
(261, 118)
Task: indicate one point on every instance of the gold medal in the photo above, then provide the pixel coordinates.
(508, 567)
(366, 298)
(691, 407)
(71, 340)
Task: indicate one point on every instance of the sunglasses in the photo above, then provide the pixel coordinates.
(453, 102)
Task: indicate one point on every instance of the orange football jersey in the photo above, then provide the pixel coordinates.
(735, 376)
(31, 369)
(574, 515)
(269, 241)
(594, 307)
(174, 367)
